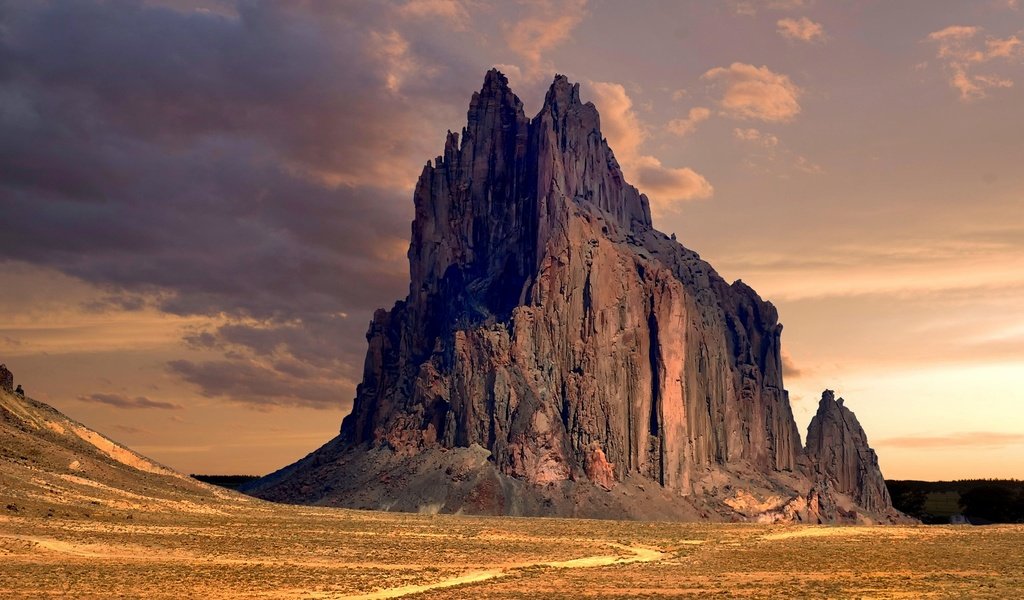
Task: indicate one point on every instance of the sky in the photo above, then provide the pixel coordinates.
(203, 202)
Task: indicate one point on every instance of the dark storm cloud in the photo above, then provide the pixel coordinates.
(122, 401)
(313, 363)
(116, 302)
(256, 385)
(253, 162)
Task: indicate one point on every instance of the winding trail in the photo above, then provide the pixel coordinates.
(639, 555)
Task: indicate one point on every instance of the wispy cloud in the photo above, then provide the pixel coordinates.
(126, 402)
(688, 125)
(802, 163)
(772, 151)
(131, 430)
(972, 439)
(963, 48)
(544, 25)
(454, 12)
(750, 8)
(878, 266)
(801, 30)
(750, 134)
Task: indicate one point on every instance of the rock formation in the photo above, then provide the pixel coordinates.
(838, 448)
(6, 379)
(558, 355)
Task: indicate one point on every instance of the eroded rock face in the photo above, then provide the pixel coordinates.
(839, 451)
(550, 324)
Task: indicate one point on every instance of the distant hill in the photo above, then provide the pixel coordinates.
(980, 500)
(51, 465)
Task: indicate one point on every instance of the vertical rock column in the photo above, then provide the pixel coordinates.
(838, 448)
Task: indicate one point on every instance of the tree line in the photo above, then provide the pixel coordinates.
(980, 500)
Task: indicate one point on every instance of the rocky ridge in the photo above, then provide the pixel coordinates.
(557, 355)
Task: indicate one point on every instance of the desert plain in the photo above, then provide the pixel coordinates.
(84, 517)
(237, 548)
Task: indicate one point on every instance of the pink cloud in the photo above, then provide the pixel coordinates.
(665, 186)
(688, 124)
(766, 140)
(750, 92)
(452, 11)
(801, 30)
(545, 25)
(961, 49)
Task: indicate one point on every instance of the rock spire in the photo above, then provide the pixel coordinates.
(839, 451)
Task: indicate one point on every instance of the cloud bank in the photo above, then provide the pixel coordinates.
(252, 165)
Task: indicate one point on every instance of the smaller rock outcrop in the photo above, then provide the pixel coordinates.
(6, 379)
(838, 449)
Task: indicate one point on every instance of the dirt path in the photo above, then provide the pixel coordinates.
(639, 555)
(105, 553)
(59, 546)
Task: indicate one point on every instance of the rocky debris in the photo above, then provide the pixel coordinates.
(598, 469)
(551, 325)
(838, 449)
(6, 379)
(19, 391)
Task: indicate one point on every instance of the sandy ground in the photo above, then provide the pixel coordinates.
(272, 551)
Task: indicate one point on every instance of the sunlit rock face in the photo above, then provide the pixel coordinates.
(598, 367)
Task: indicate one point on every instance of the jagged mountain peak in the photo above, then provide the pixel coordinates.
(495, 89)
(563, 94)
(828, 397)
(495, 79)
(556, 355)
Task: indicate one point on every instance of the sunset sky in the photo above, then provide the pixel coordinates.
(202, 202)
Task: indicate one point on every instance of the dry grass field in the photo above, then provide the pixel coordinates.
(83, 517)
(259, 550)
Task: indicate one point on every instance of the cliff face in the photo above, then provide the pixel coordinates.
(839, 451)
(551, 327)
